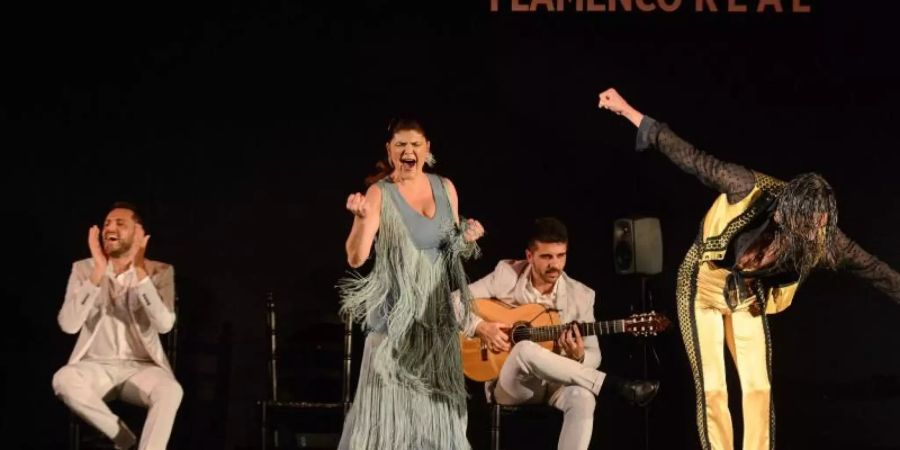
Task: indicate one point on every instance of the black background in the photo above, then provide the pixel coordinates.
(241, 127)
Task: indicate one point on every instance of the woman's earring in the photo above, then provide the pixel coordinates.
(429, 160)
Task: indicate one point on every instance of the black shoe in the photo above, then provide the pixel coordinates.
(640, 392)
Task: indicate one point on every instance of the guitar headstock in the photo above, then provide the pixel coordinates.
(646, 324)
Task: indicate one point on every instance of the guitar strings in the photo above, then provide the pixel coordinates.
(546, 332)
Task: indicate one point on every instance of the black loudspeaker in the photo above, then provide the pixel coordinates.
(637, 246)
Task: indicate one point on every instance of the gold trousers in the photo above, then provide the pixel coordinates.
(708, 325)
(746, 338)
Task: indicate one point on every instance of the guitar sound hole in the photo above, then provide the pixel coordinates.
(518, 333)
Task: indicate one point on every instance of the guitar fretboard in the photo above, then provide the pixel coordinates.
(552, 332)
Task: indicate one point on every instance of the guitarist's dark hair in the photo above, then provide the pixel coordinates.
(548, 230)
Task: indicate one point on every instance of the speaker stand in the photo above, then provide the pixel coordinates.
(646, 347)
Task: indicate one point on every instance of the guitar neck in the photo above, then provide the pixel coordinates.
(552, 332)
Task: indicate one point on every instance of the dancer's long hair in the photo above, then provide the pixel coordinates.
(806, 215)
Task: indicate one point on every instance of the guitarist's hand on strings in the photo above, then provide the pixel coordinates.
(571, 342)
(495, 335)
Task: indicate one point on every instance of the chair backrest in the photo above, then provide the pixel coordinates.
(347, 373)
(273, 344)
(170, 340)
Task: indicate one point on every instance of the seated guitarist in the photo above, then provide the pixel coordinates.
(568, 381)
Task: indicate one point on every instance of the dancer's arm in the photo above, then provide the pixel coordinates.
(867, 267)
(732, 179)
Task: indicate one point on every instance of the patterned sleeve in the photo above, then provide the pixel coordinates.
(866, 266)
(732, 179)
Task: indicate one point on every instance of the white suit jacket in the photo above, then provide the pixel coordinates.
(508, 281)
(151, 307)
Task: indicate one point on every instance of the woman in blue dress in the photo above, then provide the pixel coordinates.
(411, 391)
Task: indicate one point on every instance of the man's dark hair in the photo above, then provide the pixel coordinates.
(129, 206)
(548, 230)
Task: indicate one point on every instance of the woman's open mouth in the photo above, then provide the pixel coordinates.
(408, 163)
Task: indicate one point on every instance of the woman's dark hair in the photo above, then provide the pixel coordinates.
(383, 166)
(803, 239)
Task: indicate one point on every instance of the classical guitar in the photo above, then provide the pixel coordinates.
(538, 323)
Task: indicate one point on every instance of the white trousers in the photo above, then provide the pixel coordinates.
(533, 374)
(86, 386)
